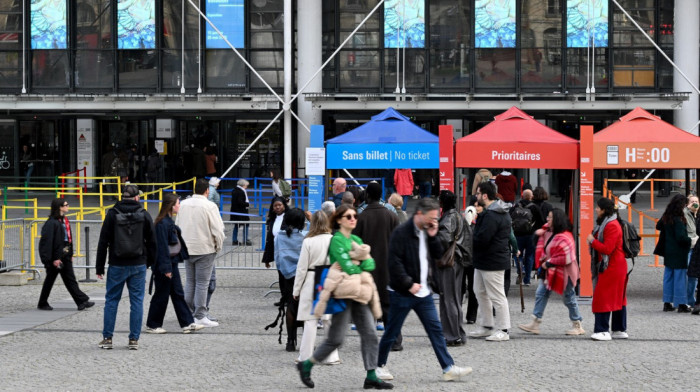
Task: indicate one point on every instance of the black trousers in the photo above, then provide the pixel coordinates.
(619, 321)
(468, 290)
(168, 288)
(68, 276)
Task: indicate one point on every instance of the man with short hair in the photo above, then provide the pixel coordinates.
(127, 262)
(339, 185)
(203, 232)
(413, 249)
(348, 198)
(524, 226)
(491, 260)
(375, 225)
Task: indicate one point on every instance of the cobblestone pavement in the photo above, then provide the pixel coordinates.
(240, 355)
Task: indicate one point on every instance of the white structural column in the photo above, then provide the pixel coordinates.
(309, 60)
(686, 55)
(288, 72)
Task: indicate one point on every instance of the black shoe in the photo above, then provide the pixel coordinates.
(291, 346)
(455, 343)
(305, 376)
(683, 308)
(249, 243)
(696, 309)
(85, 305)
(278, 303)
(44, 307)
(471, 321)
(668, 307)
(379, 384)
(397, 347)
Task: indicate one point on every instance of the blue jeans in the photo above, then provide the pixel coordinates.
(692, 285)
(675, 285)
(526, 246)
(135, 278)
(426, 189)
(569, 298)
(405, 202)
(235, 232)
(424, 307)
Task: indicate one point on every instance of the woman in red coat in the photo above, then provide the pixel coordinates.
(403, 181)
(609, 294)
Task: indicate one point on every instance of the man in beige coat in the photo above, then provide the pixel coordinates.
(203, 232)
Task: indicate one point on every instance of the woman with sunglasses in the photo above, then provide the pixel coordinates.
(56, 253)
(345, 219)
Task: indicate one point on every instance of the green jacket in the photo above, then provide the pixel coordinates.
(339, 248)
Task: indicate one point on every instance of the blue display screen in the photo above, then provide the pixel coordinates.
(228, 16)
(136, 24)
(404, 23)
(48, 23)
(494, 25)
(585, 18)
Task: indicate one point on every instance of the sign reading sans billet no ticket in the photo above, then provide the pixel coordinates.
(383, 156)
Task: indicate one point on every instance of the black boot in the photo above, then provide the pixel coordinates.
(683, 308)
(291, 345)
(668, 307)
(305, 375)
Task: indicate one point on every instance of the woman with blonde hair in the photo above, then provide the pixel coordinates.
(397, 202)
(314, 253)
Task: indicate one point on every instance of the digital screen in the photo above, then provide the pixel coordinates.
(404, 24)
(136, 24)
(585, 18)
(48, 23)
(494, 23)
(228, 16)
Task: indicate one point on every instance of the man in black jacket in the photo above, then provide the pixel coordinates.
(56, 253)
(413, 249)
(127, 262)
(525, 235)
(491, 260)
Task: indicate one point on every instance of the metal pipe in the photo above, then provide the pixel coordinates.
(182, 50)
(288, 71)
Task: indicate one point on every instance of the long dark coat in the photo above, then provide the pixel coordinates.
(239, 205)
(374, 227)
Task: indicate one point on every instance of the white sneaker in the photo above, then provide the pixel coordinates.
(499, 336)
(206, 322)
(192, 327)
(481, 333)
(620, 335)
(601, 336)
(383, 373)
(158, 330)
(455, 373)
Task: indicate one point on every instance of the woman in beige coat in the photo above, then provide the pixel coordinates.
(314, 252)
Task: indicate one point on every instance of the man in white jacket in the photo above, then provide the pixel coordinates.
(203, 232)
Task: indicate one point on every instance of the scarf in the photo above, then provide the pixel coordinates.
(561, 254)
(245, 193)
(604, 259)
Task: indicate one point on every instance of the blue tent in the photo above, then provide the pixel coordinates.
(388, 141)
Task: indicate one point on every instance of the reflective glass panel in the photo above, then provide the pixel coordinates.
(94, 27)
(94, 69)
(494, 23)
(404, 23)
(136, 24)
(450, 43)
(48, 24)
(50, 68)
(137, 69)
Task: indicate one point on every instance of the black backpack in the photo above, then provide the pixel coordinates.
(630, 240)
(523, 221)
(128, 234)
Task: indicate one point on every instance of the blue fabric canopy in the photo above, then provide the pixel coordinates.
(388, 126)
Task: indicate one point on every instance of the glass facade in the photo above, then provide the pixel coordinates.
(464, 49)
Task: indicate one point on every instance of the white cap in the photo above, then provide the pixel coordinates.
(214, 181)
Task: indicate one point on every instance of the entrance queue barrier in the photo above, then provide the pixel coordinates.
(651, 181)
(642, 215)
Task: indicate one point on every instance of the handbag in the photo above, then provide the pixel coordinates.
(174, 249)
(448, 258)
(335, 305)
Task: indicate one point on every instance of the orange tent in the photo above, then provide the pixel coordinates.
(642, 140)
(515, 140)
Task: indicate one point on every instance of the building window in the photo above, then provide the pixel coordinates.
(360, 60)
(633, 55)
(267, 43)
(450, 44)
(540, 46)
(94, 57)
(172, 46)
(10, 44)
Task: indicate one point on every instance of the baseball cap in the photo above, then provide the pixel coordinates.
(214, 181)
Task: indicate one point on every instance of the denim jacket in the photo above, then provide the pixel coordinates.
(287, 251)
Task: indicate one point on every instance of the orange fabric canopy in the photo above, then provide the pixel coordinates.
(514, 140)
(642, 140)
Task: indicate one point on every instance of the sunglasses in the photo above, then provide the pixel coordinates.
(350, 216)
(65, 205)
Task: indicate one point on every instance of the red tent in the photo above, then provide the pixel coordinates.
(642, 140)
(514, 140)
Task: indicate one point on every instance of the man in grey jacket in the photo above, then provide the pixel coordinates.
(203, 232)
(491, 259)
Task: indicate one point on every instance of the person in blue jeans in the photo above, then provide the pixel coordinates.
(413, 249)
(127, 262)
(556, 254)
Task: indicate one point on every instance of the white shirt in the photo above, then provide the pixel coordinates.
(201, 224)
(276, 188)
(277, 226)
(423, 257)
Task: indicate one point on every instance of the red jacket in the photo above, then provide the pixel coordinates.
(507, 187)
(609, 294)
(403, 181)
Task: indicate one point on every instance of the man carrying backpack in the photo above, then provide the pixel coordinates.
(527, 218)
(128, 233)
